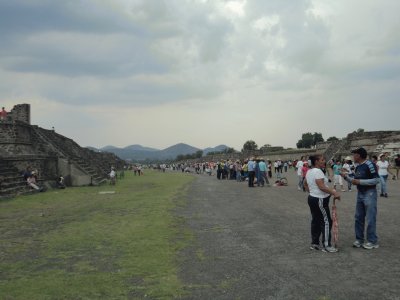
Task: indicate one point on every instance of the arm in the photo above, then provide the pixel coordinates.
(373, 181)
(321, 185)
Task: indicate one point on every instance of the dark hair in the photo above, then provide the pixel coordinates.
(374, 157)
(315, 158)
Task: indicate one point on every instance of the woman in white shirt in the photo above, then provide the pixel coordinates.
(383, 169)
(316, 184)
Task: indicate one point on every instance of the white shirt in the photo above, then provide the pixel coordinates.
(299, 165)
(383, 167)
(313, 175)
(347, 167)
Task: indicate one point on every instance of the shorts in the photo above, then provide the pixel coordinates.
(337, 180)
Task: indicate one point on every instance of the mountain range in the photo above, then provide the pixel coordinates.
(140, 153)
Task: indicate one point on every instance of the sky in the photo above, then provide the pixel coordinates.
(161, 72)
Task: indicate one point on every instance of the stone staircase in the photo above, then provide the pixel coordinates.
(334, 148)
(94, 164)
(12, 181)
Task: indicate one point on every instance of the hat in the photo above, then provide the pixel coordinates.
(348, 158)
(361, 151)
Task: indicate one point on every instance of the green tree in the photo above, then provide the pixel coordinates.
(317, 138)
(198, 154)
(249, 146)
(332, 139)
(307, 140)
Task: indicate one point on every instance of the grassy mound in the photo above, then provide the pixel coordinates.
(86, 243)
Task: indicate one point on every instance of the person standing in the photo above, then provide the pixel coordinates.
(397, 165)
(316, 184)
(365, 178)
(383, 172)
(299, 168)
(337, 179)
(3, 114)
(348, 167)
(263, 170)
(251, 167)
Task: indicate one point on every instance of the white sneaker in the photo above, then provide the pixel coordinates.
(330, 249)
(357, 244)
(370, 246)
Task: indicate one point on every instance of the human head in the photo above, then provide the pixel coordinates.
(317, 160)
(383, 157)
(359, 154)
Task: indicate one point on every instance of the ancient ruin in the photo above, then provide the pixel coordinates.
(50, 153)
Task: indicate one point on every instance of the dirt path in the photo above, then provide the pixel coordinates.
(252, 243)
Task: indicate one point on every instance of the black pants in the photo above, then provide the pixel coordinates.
(251, 178)
(321, 223)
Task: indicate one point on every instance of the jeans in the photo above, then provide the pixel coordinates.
(351, 176)
(238, 176)
(383, 183)
(366, 208)
(251, 178)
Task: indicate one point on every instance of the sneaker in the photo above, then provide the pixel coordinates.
(370, 246)
(357, 244)
(381, 195)
(343, 190)
(386, 195)
(315, 247)
(299, 189)
(330, 249)
(350, 190)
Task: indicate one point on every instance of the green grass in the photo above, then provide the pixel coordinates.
(79, 244)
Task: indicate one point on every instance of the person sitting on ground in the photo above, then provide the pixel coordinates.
(31, 181)
(60, 182)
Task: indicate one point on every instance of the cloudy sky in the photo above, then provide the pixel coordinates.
(159, 72)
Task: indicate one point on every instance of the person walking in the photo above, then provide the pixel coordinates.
(316, 185)
(383, 172)
(348, 167)
(365, 178)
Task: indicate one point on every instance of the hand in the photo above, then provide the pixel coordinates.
(355, 182)
(336, 195)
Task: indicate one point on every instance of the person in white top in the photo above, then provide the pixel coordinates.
(383, 172)
(299, 167)
(316, 184)
(348, 168)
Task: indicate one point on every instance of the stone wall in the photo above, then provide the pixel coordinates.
(21, 113)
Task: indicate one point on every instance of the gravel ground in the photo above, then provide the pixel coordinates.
(253, 243)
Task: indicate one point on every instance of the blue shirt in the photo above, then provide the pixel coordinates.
(262, 166)
(368, 176)
(251, 165)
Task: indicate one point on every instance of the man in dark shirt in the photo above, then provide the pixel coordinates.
(365, 178)
(397, 165)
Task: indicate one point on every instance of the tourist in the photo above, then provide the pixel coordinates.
(60, 182)
(304, 171)
(112, 176)
(285, 166)
(316, 184)
(238, 169)
(337, 178)
(251, 167)
(366, 178)
(3, 114)
(245, 169)
(348, 168)
(299, 167)
(383, 172)
(32, 182)
(269, 169)
(263, 171)
(397, 165)
(260, 180)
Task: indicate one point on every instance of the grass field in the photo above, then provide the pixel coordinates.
(80, 244)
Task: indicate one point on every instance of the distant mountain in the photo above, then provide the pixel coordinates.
(139, 152)
(174, 151)
(218, 148)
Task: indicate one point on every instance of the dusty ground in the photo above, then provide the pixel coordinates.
(254, 244)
